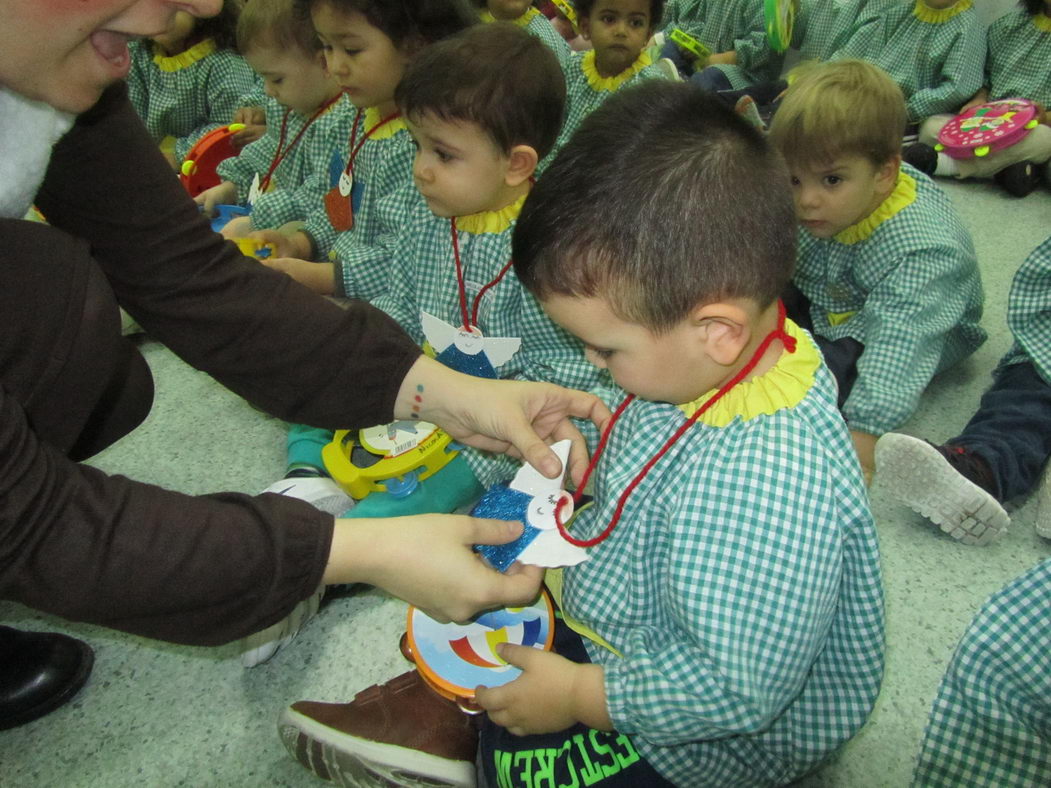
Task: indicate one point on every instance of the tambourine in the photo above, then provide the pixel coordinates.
(454, 659)
(780, 18)
(985, 128)
(197, 172)
(391, 458)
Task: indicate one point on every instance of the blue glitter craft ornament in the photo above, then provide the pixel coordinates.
(467, 351)
(477, 364)
(503, 503)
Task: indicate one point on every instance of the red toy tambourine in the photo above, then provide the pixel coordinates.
(985, 128)
(453, 659)
(197, 172)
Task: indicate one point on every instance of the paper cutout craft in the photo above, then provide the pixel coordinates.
(531, 499)
(467, 351)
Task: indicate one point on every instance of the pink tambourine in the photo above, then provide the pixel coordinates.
(985, 128)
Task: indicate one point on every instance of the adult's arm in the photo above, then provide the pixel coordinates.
(256, 331)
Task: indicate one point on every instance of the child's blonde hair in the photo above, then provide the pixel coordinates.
(278, 24)
(844, 107)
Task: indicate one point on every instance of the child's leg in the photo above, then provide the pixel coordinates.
(841, 355)
(1034, 147)
(990, 723)
(1012, 429)
(711, 79)
(577, 755)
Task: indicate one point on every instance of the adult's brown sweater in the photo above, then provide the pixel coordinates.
(105, 549)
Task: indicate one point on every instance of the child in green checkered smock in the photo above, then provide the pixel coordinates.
(1015, 67)
(886, 272)
(999, 456)
(189, 80)
(933, 49)
(534, 23)
(729, 631)
(735, 32)
(307, 121)
(618, 58)
(990, 724)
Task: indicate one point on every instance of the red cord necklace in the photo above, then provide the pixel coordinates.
(339, 200)
(470, 320)
(282, 151)
(778, 333)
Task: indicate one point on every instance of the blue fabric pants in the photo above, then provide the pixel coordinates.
(1011, 430)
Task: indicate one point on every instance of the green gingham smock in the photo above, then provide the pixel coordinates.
(539, 26)
(187, 95)
(1029, 312)
(422, 274)
(586, 90)
(383, 165)
(903, 282)
(1019, 55)
(300, 180)
(937, 57)
(823, 27)
(724, 25)
(741, 586)
(990, 724)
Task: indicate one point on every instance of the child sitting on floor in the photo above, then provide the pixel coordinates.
(729, 631)
(1019, 49)
(886, 278)
(189, 80)
(307, 121)
(618, 31)
(962, 484)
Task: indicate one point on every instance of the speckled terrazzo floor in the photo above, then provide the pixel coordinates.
(160, 715)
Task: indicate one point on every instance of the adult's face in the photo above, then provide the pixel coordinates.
(65, 52)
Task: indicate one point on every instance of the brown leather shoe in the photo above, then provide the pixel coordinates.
(398, 733)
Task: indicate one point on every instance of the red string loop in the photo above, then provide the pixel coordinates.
(470, 320)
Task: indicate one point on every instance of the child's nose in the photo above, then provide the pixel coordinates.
(336, 63)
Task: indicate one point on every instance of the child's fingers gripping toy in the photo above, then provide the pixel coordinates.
(252, 247)
(986, 128)
(197, 172)
(454, 659)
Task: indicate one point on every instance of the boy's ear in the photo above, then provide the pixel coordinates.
(724, 328)
(887, 173)
(521, 164)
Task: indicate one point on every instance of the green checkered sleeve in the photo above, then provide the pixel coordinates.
(823, 27)
(541, 27)
(301, 179)
(989, 724)
(911, 293)
(742, 587)
(1016, 64)
(189, 102)
(382, 166)
(1029, 311)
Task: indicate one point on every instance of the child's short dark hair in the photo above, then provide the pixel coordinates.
(276, 24)
(496, 76)
(841, 107)
(1032, 7)
(663, 199)
(410, 23)
(222, 27)
(585, 7)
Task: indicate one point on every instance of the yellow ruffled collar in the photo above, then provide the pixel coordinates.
(491, 221)
(782, 386)
(387, 130)
(522, 21)
(599, 82)
(185, 59)
(904, 195)
(936, 16)
(1042, 22)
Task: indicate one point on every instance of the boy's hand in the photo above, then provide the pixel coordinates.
(254, 120)
(319, 277)
(551, 694)
(865, 444)
(285, 245)
(224, 193)
(237, 228)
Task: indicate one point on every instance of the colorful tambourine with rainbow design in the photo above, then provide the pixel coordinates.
(455, 658)
(985, 128)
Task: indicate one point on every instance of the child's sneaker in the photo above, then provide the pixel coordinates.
(319, 491)
(398, 733)
(923, 157)
(261, 646)
(747, 109)
(948, 485)
(1018, 179)
(669, 69)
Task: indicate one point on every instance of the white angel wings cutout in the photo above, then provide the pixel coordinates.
(442, 335)
(548, 549)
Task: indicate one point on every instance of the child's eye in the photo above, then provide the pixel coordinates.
(443, 157)
(638, 23)
(793, 180)
(607, 19)
(276, 82)
(600, 352)
(833, 180)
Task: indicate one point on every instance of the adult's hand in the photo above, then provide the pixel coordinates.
(517, 417)
(427, 560)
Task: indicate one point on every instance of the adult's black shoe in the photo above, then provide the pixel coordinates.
(39, 671)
